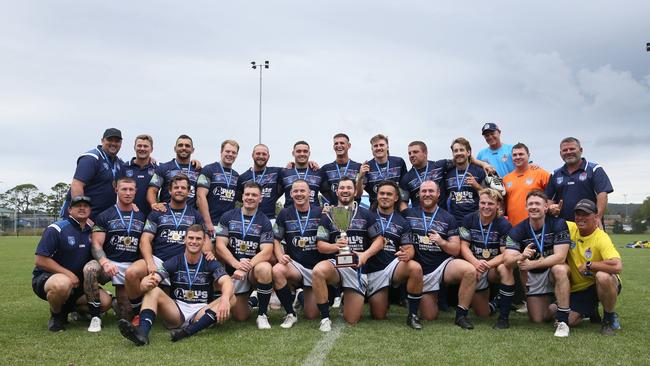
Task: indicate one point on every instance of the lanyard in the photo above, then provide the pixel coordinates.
(179, 222)
(105, 157)
(224, 176)
(302, 229)
(189, 167)
(459, 184)
(381, 174)
(191, 280)
(307, 173)
(381, 222)
(540, 244)
(424, 220)
(345, 172)
(128, 228)
(243, 224)
(255, 177)
(489, 230)
(426, 172)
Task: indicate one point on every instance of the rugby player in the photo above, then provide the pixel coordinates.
(436, 242)
(302, 169)
(342, 166)
(295, 249)
(381, 167)
(115, 240)
(539, 245)
(96, 171)
(189, 307)
(394, 264)
(267, 177)
(422, 169)
(216, 187)
(463, 181)
(141, 168)
(61, 254)
(245, 245)
(363, 239)
(483, 240)
(577, 179)
(594, 265)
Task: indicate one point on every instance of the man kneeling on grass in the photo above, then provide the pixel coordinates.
(193, 281)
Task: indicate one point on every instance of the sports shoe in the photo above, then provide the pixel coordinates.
(523, 309)
(501, 324)
(337, 302)
(55, 324)
(607, 329)
(263, 322)
(297, 304)
(178, 334)
(413, 321)
(95, 325)
(134, 334)
(289, 321)
(136, 320)
(325, 325)
(616, 324)
(464, 323)
(79, 317)
(562, 329)
(252, 300)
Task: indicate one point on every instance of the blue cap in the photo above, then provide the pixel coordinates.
(489, 127)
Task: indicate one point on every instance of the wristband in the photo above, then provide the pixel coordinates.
(588, 265)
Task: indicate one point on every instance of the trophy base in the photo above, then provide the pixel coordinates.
(346, 260)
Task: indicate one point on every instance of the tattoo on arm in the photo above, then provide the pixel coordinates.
(98, 253)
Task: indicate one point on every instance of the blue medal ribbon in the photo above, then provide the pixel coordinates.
(424, 220)
(179, 222)
(128, 228)
(381, 222)
(426, 172)
(105, 157)
(345, 172)
(189, 167)
(489, 230)
(539, 244)
(243, 224)
(191, 280)
(261, 176)
(307, 172)
(224, 176)
(459, 183)
(302, 229)
(381, 174)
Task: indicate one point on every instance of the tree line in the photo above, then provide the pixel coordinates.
(27, 199)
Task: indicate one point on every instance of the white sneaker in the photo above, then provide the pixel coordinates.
(325, 325)
(95, 325)
(337, 302)
(296, 300)
(562, 329)
(263, 322)
(523, 309)
(289, 321)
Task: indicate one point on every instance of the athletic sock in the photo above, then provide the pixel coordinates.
(136, 304)
(608, 317)
(284, 294)
(324, 310)
(461, 312)
(414, 302)
(93, 308)
(205, 321)
(264, 296)
(562, 314)
(506, 294)
(147, 317)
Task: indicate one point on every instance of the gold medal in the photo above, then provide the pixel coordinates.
(243, 246)
(176, 236)
(302, 243)
(229, 194)
(486, 253)
(459, 196)
(128, 240)
(424, 239)
(189, 294)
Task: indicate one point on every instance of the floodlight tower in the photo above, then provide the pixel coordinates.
(263, 66)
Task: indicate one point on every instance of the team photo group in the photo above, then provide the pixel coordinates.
(196, 245)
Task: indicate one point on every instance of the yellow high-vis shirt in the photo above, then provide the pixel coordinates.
(595, 248)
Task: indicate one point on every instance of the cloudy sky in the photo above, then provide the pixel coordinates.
(410, 70)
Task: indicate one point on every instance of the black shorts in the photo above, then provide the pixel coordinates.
(38, 285)
(585, 302)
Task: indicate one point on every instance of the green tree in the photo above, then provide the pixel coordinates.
(56, 198)
(19, 198)
(641, 217)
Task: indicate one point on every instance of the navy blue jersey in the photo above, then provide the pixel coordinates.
(361, 233)
(312, 177)
(164, 174)
(412, 180)
(556, 232)
(331, 174)
(397, 232)
(428, 253)
(394, 169)
(244, 238)
(297, 233)
(586, 182)
(98, 172)
(67, 244)
(203, 276)
(462, 200)
(271, 183)
(142, 176)
(169, 229)
(221, 184)
(492, 238)
(123, 232)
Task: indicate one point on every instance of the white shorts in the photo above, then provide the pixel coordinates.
(433, 280)
(242, 286)
(159, 262)
(351, 279)
(539, 284)
(379, 280)
(304, 272)
(118, 279)
(483, 283)
(189, 311)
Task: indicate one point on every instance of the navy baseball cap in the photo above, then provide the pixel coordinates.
(489, 127)
(587, 206)
(78, 199)
(112, 132)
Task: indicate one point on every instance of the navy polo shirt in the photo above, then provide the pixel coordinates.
(312, 177)
(270, 181)
(221, 184)
(586, 182)
(66, 243)
(97, 171)
(164, 174)
(142, 176)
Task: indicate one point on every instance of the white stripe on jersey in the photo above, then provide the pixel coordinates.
(89, 154)
(56, 227)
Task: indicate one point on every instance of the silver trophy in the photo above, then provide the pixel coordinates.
(341, 217)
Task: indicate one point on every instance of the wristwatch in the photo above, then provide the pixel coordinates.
(588, 265)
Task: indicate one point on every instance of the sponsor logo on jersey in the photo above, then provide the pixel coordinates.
(72, 240)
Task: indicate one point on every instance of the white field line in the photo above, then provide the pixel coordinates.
(320, 351)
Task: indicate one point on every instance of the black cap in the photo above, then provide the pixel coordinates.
(112, 132)
(78, 199)
(489, 127)
(587, 206)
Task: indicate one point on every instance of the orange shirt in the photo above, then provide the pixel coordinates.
(517, 187)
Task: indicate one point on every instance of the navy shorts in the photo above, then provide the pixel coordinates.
(38, 285)
(585, 302)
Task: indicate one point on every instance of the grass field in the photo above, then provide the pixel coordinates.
(24, 338)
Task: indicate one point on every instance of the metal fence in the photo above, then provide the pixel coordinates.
(13, 223)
